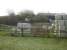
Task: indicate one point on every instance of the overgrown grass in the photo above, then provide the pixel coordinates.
(32, 43)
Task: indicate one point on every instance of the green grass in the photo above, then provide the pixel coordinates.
(4, 33)
(32, 43)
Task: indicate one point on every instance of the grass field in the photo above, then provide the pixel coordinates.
(32, 43)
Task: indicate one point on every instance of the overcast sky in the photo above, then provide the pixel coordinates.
(53, 6)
